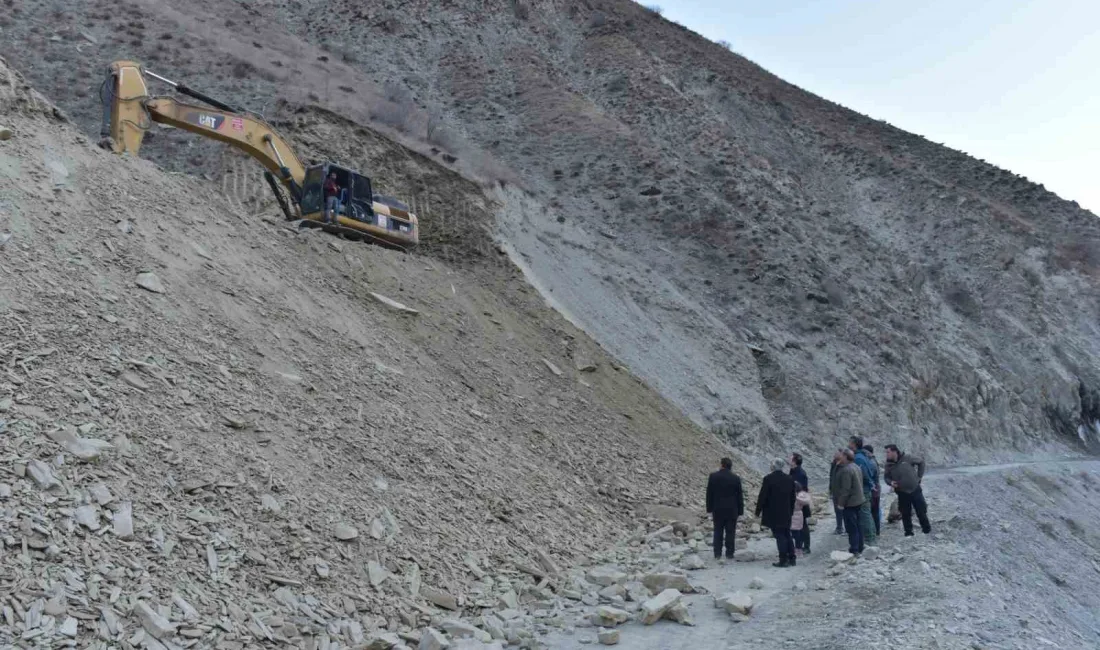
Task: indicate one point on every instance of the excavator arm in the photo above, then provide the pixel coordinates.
(130, 111)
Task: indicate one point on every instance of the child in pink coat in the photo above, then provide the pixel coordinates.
(797, 520)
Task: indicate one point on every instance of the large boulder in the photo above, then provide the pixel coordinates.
(654, 608)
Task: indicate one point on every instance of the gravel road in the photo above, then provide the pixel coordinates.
(1012, 563)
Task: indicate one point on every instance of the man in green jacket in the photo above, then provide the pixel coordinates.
(847, 489)
(904, 472)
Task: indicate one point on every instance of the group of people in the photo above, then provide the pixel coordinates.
(854, 489)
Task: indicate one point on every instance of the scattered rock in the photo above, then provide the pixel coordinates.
(189, 613)
(738, 617)
(200, 251)
(463, 630)
(101, 494)
(757, 583)
(606, 576)
(87, 517)
(508, 600)
(607, 636)
(150, 282)
(744, 555)
(800, 585)
(41, 474)
(377, 530)
(657, 582)
(5, 491)
(693, 562)
(270, 504)
(345, 532)
(135, 381)
(155, 624)
(125, 227)
(840, 557)
(654, 608)
(85, 449)
(610, 616)
(382, 641)
(870, 553)
(612, 592)
(439, 598)
(377, 574)
(636, 592)
(393, 304)
(430, 639)
(554, 369)
(738, 602)
(68, 628)
(5, 133)
(679, 613)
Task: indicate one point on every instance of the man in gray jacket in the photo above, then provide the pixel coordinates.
(904, 472)
(847, 489)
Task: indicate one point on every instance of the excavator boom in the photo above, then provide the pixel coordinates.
(130, 111)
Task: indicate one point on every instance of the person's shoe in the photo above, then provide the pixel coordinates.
(838, 531)
(792, 562)
(782, 564)
(909, 534)
(927, 532)
(806, 551)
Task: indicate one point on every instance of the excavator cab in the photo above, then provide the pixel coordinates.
(358, 204)
(355, 192)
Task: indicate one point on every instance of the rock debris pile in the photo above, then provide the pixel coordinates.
(215, 434)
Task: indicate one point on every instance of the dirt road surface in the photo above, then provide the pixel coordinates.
(957, 588)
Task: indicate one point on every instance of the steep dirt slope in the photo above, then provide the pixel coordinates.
(216, 431)
(783, 269)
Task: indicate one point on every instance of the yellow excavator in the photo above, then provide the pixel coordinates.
(129, 111)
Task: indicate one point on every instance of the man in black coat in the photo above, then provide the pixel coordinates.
(726, 503)
(775, 506)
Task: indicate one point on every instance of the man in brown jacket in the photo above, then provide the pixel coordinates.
(847, 489)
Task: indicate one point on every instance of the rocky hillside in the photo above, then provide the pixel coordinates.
(784, 270)
(215, 429)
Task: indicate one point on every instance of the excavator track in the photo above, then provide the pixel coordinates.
(350, 233)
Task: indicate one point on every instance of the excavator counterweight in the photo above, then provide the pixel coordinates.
(130, 111)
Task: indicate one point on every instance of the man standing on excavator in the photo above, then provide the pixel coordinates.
(332, 200)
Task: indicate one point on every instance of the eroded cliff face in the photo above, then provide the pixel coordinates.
(786, 271)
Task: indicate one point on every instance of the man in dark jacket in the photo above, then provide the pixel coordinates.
(801, 537)
(876, 491)
(726, 502)
(904, 472)
(848, 492)
(775, 506)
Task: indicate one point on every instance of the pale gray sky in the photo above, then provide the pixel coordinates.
(1013, 82)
